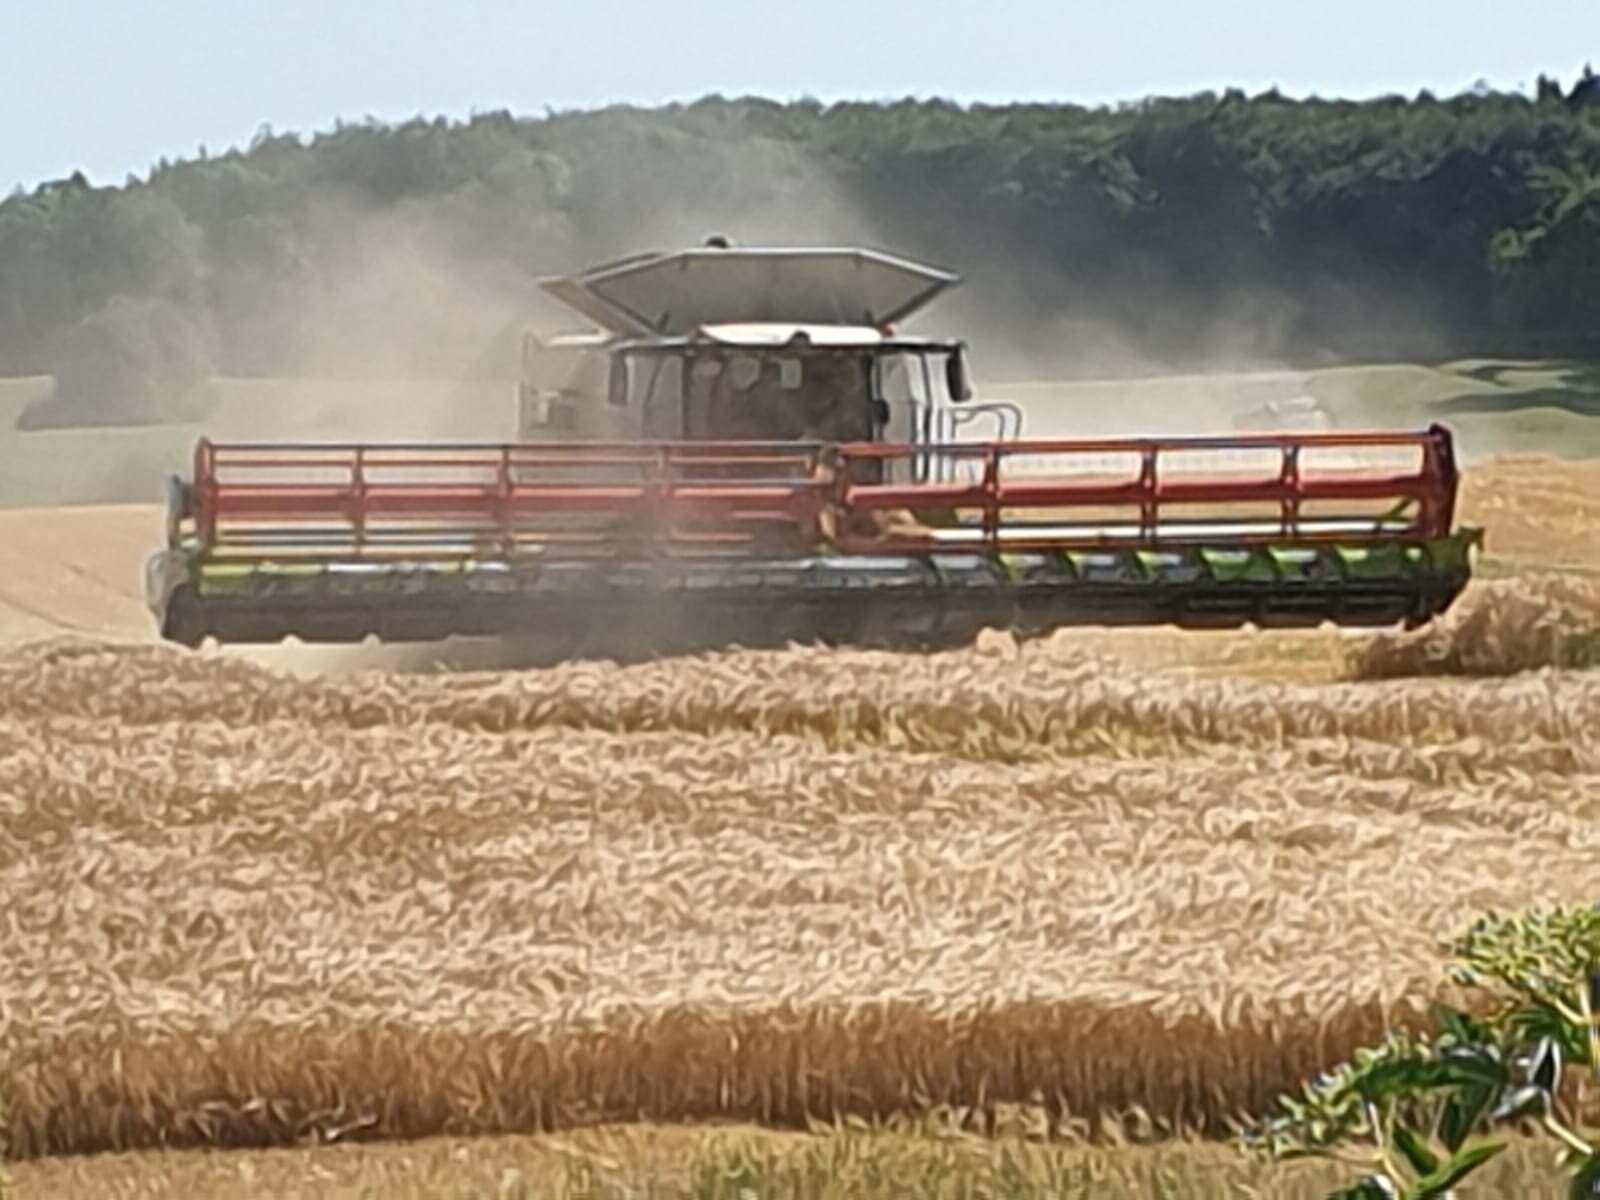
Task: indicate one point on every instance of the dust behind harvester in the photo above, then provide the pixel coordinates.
(747, 449)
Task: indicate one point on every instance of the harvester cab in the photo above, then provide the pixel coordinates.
(747, 449)
(738, 344)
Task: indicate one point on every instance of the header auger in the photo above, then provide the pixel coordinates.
(749, 453)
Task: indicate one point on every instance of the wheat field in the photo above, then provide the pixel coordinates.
(248, 908)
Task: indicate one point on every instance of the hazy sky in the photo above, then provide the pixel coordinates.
(109, 86)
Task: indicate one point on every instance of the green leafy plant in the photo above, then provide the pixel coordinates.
(1418, 1112)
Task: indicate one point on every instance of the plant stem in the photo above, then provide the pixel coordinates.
(1380, 1139)
(1566, 1136)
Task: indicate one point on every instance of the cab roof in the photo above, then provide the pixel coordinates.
(677, 292)
(781, 335)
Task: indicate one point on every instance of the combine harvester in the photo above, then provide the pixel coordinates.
(748, 451)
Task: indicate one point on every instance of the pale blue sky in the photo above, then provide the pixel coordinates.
(109, 86)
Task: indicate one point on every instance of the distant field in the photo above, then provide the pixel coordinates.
(130, 464)
(1495, 408)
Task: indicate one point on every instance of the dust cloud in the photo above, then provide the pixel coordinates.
(417, 294)
(368, 319)
(441, 292)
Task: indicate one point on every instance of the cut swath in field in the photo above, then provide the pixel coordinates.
(1497, 628)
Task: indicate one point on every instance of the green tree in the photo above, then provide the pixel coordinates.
(1334, 229)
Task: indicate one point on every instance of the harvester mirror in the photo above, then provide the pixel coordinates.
(789, 373)
(880, 414)
(955, 375)
(617, 384)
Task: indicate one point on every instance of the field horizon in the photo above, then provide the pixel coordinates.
(1495, 408)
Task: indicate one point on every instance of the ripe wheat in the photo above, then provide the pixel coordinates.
(248, 908)
(1497, 628)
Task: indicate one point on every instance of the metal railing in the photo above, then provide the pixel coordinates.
(398, 501)
(401, 500)
(1247, 488)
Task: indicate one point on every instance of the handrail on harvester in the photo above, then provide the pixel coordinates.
(271, 491)
(1292, 485)
(367, 499)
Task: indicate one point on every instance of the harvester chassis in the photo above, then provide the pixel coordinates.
(897, 602)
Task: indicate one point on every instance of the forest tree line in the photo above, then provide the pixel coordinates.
(1197, 231)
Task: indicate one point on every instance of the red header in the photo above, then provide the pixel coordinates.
(600, 499)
